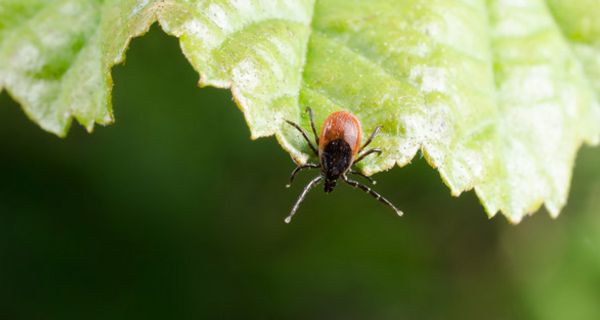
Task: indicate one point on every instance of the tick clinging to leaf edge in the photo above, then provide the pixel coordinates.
(338, 150)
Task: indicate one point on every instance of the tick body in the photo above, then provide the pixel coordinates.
(339, 143)
(338, 150)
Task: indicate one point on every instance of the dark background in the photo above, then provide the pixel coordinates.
(174, 213)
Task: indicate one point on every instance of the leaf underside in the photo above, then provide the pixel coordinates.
(498, 95)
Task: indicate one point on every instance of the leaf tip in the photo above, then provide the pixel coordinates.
(553, 210)
(514, 219)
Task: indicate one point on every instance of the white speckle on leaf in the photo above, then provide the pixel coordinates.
(421, 50)
(413, 125)
(27, 57)
(218, 16)
(430, 79)
(474, 161)
(528, 84)
(244, 75)
(37, 91)
(519, 18)
(53, 39)
(285, 51)
(570, 100)
(242, 6)
(538, 83)
(200, 31)
(297, 9)
(138, 7)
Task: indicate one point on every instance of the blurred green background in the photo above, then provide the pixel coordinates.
(174, 213)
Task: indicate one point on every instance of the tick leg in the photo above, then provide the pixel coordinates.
(300, 168)
(312, 124)
(366, 153)
(375, 132)
(358, 173)
(305, 135)
(309, 186)
(373, 193)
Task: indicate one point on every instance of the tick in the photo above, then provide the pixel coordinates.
(338, 150)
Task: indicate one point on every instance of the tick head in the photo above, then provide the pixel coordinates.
(330, 185)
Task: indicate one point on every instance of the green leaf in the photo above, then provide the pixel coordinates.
(491, 92)
(55, 56)
(547, 107)
(498, 95)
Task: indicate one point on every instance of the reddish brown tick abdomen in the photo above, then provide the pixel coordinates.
(341, 125)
